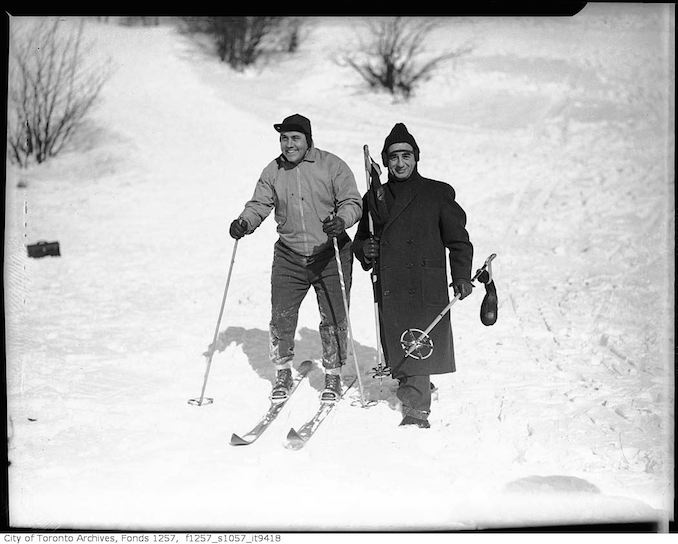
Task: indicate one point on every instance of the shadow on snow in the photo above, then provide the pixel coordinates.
(307, 346)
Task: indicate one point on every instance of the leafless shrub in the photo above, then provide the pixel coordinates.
(51, 88)
(240, 41)
(292, 33)
(391, 56)
(140, 20)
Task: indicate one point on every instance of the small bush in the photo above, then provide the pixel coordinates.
(240, 41)
(391, 57)
(51, 88)
(292, 32)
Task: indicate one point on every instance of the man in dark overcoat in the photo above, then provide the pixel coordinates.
(415, 220)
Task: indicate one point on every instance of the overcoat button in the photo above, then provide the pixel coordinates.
(409, 242)
(386, 292)
(412, 291)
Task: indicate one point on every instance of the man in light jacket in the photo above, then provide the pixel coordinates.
(315, 198)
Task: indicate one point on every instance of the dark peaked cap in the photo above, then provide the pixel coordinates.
(399, 134)
(296, 122)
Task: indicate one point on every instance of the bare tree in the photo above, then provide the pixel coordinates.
(51, 88)
(393, 58)
(292, 33)
(240, 41)
(140, 20)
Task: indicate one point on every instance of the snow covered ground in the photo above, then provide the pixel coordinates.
(558, 137)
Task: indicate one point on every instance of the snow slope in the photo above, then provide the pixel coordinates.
(557, 135)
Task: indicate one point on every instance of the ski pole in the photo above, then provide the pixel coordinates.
(373, 274)
(417, 344)
(348, 319)
(212, 348)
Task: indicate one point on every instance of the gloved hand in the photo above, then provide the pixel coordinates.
(238, 229)
(333, 226)
(371, 248)
(462, 288)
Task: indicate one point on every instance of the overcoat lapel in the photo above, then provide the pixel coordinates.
(403, 201)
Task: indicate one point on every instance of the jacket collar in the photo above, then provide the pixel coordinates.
(311, 156)
(413, 184)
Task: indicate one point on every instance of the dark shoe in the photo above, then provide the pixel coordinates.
(282, 385)
(332, 391)
(421, 423)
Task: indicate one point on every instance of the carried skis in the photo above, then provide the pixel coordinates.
(273, 411)
(297, 439)
(372, 172)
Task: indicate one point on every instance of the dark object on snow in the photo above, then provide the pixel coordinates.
(43, 249)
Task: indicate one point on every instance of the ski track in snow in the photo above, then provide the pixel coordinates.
(560, 413)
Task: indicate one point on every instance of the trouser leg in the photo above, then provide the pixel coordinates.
(414, 393)
(333, 320)
(289, 285)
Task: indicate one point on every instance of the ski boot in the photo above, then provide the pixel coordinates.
(282, 385)
(411, 420)
(332, 391)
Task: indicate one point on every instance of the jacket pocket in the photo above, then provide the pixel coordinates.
(280, 203)
(434, 286)
(323, 200)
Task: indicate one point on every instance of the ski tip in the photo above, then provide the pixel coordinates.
(293, 435)
(237, 441)
(294, 441)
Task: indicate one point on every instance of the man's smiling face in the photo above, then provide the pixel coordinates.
(294, 146)
(401, 161)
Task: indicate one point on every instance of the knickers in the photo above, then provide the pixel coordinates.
(292, 275)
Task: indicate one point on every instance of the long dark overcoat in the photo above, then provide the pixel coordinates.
(412, 286)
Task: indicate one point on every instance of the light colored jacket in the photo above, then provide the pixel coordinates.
(302, 196)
